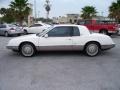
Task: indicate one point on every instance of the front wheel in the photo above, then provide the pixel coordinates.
(105, 32)
(27, 50)
(92, 49)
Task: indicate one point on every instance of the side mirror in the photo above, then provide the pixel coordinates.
(46, 36)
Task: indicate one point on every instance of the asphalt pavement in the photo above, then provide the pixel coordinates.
(59, 70)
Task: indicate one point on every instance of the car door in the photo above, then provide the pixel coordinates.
(3, 29)
(77, 39)
(59, 38)
(36, 28)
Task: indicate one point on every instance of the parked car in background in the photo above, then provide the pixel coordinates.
(9, 29)
(100, 26)
(61, 38)
(118, 28)
(35, 28)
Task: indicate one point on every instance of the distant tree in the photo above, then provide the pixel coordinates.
(7, 15)
(114, 10)
(20, 9)
(88, 12)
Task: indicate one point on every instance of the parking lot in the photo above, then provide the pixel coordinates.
(59, 70)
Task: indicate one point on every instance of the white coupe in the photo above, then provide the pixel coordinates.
(35, 28)
(61, 38)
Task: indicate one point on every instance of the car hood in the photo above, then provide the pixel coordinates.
(26, 36)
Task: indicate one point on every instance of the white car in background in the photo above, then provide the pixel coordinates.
(35, 28)
(61, 38)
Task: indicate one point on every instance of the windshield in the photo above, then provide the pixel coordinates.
(44, 31)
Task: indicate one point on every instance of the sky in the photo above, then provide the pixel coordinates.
(63, 7)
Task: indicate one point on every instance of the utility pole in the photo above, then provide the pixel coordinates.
(38, 14)
(35, 10)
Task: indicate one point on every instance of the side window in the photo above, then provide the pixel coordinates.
(87, 22)
(60, 32)
(3, 26)
(98, 22)
(76, 31)
(36, 25)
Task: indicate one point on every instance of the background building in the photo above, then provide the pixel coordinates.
(69, 18)
(72, 18)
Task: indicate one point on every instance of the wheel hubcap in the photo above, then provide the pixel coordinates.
(92, 49)
(27, 50)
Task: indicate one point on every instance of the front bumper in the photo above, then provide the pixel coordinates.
(12, 47)
(106, 47)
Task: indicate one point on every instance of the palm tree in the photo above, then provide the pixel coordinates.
(20, 9)
(88, 12)
(7, 15)
(114, 10)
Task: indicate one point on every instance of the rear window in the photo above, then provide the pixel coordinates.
(76, 31)
(12, 25)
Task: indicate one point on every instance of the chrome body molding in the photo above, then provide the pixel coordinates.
(62, 48)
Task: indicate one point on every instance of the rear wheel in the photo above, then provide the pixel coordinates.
(92, 49)
(27, 49)
(6, 34)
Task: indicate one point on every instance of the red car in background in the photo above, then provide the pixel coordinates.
(107, 27)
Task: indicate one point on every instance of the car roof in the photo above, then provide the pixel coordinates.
(69, 25)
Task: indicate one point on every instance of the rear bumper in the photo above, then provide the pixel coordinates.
(106, 47)
(15, 32)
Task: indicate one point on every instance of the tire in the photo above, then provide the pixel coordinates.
(105, 32)
(6, 34)
(92, 49)
(25, 32)
(27, 50)
(19, 34)
(15, 50)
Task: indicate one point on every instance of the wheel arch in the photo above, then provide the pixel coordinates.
(92, 42)
(103, 29)
(24, 43)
